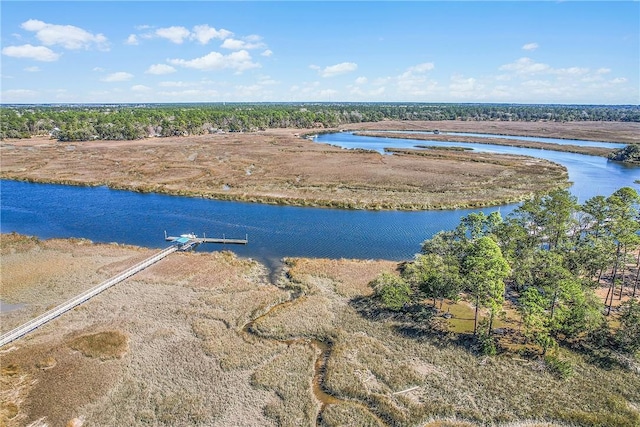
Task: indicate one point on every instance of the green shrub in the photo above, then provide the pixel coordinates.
(560, 368)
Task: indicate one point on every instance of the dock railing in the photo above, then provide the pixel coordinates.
(79, 299)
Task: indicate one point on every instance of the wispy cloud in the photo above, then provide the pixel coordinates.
(248, 43)
(414, 81)
(120, 76)
(526, 66)
(239, 61)
(160, 69)
(13, 94)
(67, 36)
(204, 33)
(38, 53)
(530, 46)
(335, 70)
(176, 35)
(132, 40)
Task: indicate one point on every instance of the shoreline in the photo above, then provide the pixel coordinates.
(617, 132)
(565, 148)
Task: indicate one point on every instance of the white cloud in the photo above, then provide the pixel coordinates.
(120, 76)
(327, 93)
(530, 46)
(33, 69)
(238, 61)
(603, 71)
(67, 36)
(469, 88)
(99, 69)
(421, 68)
(267, 53)
(415, 82)
(342, 68)
(619, 80)
(233, 44)
(266, 81)
(361, 80)
(17, 95)
(571, 71)
(191, 94)
(38, 53)
(160, 69)
(175, 84)
(175, 34)
(132, 40)
(250, 42)
(204, 33)
(140, 88)
(526, 66)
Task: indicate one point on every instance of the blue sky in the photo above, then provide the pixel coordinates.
(571, 52)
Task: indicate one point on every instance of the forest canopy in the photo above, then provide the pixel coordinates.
(552, 257)
(128, 122)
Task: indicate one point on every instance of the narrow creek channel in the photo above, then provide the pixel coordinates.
(322, 350)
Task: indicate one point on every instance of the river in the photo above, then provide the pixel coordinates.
(104, 215)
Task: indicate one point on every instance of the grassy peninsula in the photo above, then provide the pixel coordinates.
(281, 167)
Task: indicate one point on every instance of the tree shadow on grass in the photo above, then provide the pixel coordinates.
(414, 321)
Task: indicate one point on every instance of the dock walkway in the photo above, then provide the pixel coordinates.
(62, 308)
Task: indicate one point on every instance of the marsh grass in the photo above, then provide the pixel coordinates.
(348, 414)
(284, 170)
(288, 376)
(370, 360)
(102, 345)
(211, 343)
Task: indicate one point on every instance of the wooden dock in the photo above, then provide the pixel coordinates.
(74, 302)
(183, 243)
(187, 242)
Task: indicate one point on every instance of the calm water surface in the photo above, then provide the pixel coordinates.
(105, 215)
(530, 138)
(591, 175)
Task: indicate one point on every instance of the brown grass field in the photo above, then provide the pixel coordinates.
(279, 166)
(205, 339)
(622, 132)
(592, 151)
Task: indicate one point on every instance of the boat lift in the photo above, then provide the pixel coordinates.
(186, 242)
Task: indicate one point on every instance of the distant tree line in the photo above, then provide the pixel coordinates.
(128, 122)
(549, 257)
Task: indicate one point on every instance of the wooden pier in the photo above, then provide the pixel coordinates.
(183, 243)
(74, 302)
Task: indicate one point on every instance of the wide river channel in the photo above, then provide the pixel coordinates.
(275, 232)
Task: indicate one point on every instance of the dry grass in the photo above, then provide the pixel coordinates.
(593, 151)
(624, 132)
(102, 345)
(401, 375)
(276, 166)
(288, 376)
(169, 375)
(210, 342)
